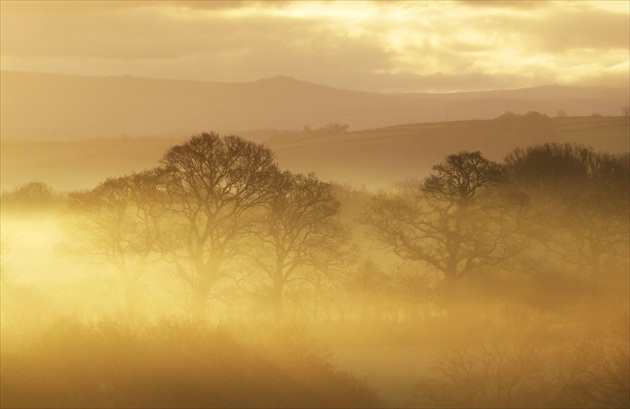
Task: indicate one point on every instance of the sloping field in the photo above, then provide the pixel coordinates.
(392, 371)
(380, 157)
(40, 106)
(374, 158)
(77, 164)
(603, 133)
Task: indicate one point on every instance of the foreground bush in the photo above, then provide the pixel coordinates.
(526, 366)
(172, 364)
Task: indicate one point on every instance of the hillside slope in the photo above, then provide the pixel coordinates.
(379, 157)
(374, 158)
(38, 106)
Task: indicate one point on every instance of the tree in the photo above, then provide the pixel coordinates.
(121, 222)
(598, 371)
(579, 213)
(509, 365)
(31, 196)
(215, 186)
(453, 221)
(299, 235)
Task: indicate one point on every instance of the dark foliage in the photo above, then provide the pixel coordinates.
(172, 364)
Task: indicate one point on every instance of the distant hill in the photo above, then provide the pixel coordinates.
(374, 158)
(37, 106)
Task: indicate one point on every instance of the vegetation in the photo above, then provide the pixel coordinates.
(516, 271)
(376, 158)
(172, 364)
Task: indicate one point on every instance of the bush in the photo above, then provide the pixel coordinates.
(598, 372)
(523, 365)
(33, 196)
(170, 364)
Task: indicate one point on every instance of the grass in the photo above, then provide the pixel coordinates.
(375, 157)
(173, 364)
(604, 133)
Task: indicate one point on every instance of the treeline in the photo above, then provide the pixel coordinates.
(523, 259)
(279, 136)
(174, 363)
(551, 219)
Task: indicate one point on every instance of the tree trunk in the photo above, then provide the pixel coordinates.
(277, 302)
(131, 299)
(450, 298)
(199, 304)
(207, 277)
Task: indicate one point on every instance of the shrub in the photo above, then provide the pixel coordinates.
(171, 364)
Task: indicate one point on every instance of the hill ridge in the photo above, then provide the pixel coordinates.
(60, 106)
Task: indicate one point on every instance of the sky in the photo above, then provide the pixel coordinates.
(390, 47)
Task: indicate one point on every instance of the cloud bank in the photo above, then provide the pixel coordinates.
(371, 46)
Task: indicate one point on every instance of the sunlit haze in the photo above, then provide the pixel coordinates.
(414, 46)
(315, 204)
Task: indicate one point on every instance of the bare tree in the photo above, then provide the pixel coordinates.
(31, 196)
(510, 365)
(299, 236)
(598, 372)
(579, 214)
(452, 221)
(120, 222)
(215, 186)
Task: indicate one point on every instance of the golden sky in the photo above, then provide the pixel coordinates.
(393, 46)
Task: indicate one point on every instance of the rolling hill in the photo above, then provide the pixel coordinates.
(38, 106)
(380, 157)
(374, 158)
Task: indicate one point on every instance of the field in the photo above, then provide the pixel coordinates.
(392, 371)
(607, 134)
(373, 158)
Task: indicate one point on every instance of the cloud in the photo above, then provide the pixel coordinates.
(596, 29)
(227, 5)
(149, 34)
(392, 46)
(514, 4)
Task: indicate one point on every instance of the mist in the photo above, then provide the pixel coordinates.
(315, 204)
(219, 279)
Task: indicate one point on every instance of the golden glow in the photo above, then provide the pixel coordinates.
(222, 276)
(376, 41)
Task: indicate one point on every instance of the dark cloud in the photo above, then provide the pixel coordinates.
(515, 4)
(141, 34)
(60, 7)
(56, 7)
(226, 5)
(144, 35)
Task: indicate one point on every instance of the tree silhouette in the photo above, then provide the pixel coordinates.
(31, 196)
(579, 204)
(507, 367)
(215, 186)
(453, 221)
(121, 222)
(598, 372)
(299, 235)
